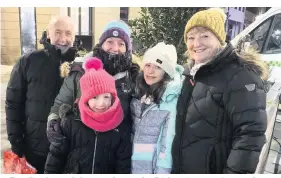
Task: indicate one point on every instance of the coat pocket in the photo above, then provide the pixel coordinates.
(72, 163)
(211, 161)
(72, 170)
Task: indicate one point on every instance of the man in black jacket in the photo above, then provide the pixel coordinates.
(115, 51)
(35, 82)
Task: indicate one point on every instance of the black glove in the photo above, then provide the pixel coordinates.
(54, 131)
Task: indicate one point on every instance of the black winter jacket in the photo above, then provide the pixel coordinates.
(34, 83)
(221, 118)
(85, 151)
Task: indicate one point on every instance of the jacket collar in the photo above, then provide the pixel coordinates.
(174, 86)
(223, 59)
(69, 56)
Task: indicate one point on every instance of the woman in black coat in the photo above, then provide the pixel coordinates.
(221, 117)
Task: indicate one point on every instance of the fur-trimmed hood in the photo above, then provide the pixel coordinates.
(251, 59)
(65, 67)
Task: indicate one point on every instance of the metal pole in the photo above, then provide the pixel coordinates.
(79, 20)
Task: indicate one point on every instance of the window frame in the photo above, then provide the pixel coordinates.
(128, 11)
(265, 51)
(35, 30)
(90, 30)
(267, 33)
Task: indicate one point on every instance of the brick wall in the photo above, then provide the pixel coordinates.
(43, 16)
(134, 12)
(10, 27)
(10, 35)
(102, 16)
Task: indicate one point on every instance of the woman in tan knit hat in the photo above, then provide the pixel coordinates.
(221, 116)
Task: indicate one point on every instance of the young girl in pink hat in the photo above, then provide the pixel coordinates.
(96, 141)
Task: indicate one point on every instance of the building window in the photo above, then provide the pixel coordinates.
(85, 21)
(27, 29)
(82, 18)
(124, 14)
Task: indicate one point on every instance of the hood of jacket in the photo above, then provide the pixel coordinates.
(173, 88)
(65, 67)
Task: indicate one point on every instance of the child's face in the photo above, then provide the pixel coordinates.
(100, 103)
(152, 73)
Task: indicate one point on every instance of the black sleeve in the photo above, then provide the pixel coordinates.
(123, 154)
(134, 70)
(246, 109)
(15, 105)
(59, 151)
(66, 94)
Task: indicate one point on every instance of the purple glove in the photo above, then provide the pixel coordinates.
(54, 131)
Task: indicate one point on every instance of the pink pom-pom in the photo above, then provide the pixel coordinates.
(93, 63)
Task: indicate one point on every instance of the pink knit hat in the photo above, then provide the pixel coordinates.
(94, 82)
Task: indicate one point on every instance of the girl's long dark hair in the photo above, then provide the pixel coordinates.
(156, 90)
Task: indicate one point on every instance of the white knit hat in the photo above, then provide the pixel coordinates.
(162, 55)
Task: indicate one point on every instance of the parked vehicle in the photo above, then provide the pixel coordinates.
(265, 35)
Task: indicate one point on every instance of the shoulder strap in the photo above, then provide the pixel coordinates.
(76, 68)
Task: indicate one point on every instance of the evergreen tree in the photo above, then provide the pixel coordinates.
(157, 24)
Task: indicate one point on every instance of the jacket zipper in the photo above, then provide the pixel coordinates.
(192, 82)
(141, 116)
(94, 157)
(147, 109)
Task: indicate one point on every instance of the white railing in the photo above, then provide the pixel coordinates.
(271, 109)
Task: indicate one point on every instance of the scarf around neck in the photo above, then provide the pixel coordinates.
(101, 122)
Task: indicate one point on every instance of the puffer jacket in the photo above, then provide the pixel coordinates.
(85, 151)
(221, 116)
(34, 83)
(154, 130)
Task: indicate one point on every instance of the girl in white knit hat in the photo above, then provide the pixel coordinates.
(154, 110)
